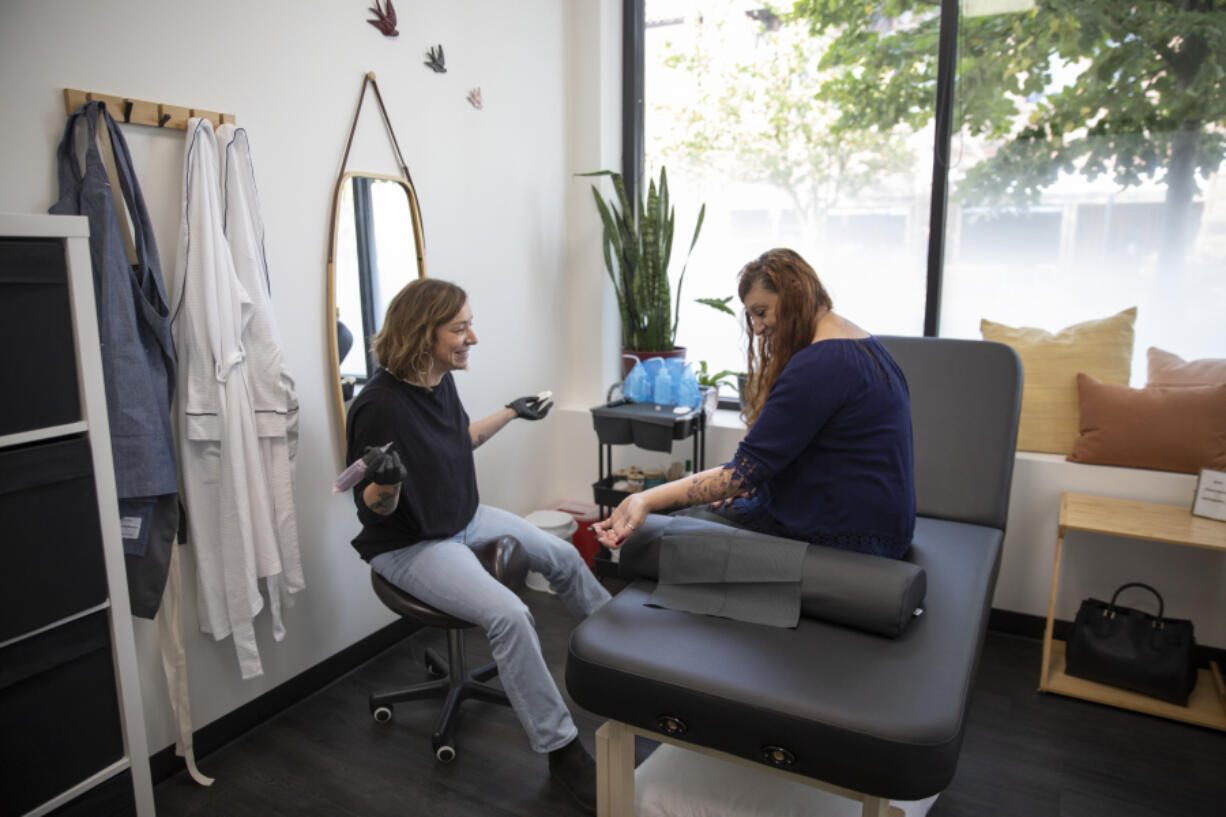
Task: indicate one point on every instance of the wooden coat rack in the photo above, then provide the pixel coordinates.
(140, 112)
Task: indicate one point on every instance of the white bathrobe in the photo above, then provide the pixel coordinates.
(272, 387)
(230, 514)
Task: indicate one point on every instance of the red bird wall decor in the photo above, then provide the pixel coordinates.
(385, 18)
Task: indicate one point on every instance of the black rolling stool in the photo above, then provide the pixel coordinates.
(505, 560)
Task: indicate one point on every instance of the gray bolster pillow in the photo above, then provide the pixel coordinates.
(859, 590)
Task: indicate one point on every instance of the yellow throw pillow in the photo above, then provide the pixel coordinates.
(1100, 348)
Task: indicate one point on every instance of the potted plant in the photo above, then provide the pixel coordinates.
(638, 242)
(721, 305)
(713, 380)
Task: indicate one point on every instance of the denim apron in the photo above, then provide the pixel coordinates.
(138, 358)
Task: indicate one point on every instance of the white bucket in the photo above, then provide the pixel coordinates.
(561, 525)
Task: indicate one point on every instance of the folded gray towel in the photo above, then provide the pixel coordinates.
(729, 572)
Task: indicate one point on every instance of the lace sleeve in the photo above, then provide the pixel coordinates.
(747, 471)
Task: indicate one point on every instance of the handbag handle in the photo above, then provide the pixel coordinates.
(1110, 611)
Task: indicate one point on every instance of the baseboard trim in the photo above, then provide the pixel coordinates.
(1026, 625)
(166, 763)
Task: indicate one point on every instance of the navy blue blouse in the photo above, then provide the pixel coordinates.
(830, 456)
(429, 429)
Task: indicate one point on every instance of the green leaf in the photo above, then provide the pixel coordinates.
(720, 304)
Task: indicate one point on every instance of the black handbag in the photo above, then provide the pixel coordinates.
(1133, 650)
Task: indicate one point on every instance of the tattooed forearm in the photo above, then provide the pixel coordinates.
(479, 439)
(709, 487)
(385, 499)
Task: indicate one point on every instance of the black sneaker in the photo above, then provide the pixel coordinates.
(575, 770)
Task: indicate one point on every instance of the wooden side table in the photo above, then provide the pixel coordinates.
(1173, 524)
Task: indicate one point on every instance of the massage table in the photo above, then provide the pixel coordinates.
(854, 712)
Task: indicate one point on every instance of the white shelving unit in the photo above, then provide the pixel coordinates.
(72, 233)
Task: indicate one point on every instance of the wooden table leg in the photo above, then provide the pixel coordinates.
(875, 807)
(614, 770)
(1044, 672)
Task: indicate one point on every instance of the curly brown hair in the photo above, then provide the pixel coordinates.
(404, 344)
(801, 297)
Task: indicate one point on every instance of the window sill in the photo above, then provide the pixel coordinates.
(726, 418)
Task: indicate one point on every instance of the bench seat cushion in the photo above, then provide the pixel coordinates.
(877, 715)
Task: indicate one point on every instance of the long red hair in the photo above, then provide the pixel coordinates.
(801, 298)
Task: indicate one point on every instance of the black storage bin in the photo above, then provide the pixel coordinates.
(605, 494)
(38, 367)
(647, 425)
(52, 542)
(59, 713)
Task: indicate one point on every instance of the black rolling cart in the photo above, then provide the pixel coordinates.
(645, 425)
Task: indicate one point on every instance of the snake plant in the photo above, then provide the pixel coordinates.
(638, 243)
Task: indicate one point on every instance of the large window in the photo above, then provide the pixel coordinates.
(734, 107)
(1083, 171)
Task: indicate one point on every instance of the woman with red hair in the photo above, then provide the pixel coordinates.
(828, 456)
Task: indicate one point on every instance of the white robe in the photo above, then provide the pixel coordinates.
(230, 518)
(272, 387)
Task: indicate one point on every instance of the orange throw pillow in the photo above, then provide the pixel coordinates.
(1167, 369)
(1166, 429)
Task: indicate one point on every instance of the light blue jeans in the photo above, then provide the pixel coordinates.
(445, 573)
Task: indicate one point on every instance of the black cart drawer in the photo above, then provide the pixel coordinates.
(59, 713)
(38, 367)
(51, 545)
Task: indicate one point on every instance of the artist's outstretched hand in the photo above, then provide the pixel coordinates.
(384, 467)
(532, 407)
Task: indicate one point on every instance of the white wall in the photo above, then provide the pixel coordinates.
(496, 190)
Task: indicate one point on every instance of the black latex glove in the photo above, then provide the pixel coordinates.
(384, 467)
(531, 407)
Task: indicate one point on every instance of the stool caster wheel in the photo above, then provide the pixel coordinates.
(382, 714)
(444, 753)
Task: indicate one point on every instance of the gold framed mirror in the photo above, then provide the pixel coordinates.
(376, 243)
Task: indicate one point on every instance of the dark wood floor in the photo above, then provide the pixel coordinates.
(1024, 755)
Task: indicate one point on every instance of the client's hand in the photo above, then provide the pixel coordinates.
(532, 407)
(622, 523)
(385, 467)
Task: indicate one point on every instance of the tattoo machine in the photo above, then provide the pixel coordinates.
(352, 475)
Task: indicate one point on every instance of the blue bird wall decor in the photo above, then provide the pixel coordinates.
(436, 61)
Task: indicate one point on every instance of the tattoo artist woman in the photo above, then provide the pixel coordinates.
(420, 521)
(828, 455)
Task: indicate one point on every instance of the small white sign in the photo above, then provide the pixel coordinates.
(1210, 498)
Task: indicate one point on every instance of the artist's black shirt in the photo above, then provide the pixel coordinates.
(429, 429)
